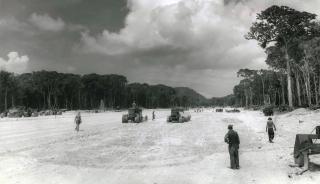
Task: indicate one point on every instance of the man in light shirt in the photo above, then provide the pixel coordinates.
(270, 128)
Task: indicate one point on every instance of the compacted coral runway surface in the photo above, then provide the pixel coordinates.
(48, 150)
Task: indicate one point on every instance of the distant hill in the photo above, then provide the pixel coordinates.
(192, 95)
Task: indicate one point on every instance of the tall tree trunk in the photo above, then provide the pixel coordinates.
(307, 81)
(56, 101)
(79, 100)
(44, 100)
(298, 88)
(279, 97)
(289, 79)
(263, 94)
(251, 97)
(49, 101)
(282, 91)
(247, 98)
(318, 87)
(315, 89)
(307, 88)
(6, 99)
(12, 101)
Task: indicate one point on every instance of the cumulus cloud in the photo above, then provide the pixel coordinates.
(199, 34)
(47, 23)
(14, 63)
(202, 36)
(193, 43)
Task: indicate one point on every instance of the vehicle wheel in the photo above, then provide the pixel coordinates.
(181, 120)
(168, 119)
(124, 119)
(137, 119)
(299, 160)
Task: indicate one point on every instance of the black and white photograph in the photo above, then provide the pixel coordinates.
(159, 91)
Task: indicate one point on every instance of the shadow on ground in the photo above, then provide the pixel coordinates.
(314, 167)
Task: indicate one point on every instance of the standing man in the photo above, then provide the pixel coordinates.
(233, 140)
(270, 128)
(134, 105)
(78, 121)
(153, 115)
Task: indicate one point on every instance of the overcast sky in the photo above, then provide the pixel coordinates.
(194, 43)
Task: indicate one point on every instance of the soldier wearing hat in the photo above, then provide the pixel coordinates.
(233, 140)
(270, 128)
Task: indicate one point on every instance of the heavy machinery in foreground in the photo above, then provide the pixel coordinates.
(134, 115)
(178, 115)
(306, 145)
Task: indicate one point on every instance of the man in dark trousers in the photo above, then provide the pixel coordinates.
(153, 115)
(270, 128)
(78, 121)
(233, 140)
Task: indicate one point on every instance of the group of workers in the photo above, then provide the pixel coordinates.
(231, 138)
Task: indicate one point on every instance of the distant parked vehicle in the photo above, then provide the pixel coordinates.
(233, 110)
(42, 113)
(117, 109)
(59, 113)
(48, 113)
(178, 115)
(28, 112)
(268, 110)
(219, 110)
(4, 114)
(16, 112)
(63, 110)
(35, 114)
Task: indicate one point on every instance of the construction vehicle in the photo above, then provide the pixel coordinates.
(178, 115)
(16, 112)
(134, 115)
(233, 110)
(306, 145)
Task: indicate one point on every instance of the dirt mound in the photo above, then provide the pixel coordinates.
(299, 111)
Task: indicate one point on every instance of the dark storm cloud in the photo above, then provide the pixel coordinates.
(96, 15)
(47, 31)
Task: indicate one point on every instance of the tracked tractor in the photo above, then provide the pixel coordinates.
(178, 116)
(306, 145)
(134, 115)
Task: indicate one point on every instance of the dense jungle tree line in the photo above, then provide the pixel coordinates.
(291, 40)
(53, 90)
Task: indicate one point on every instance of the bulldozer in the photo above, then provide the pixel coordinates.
(306, 145)
(134, 115)
(178, 115)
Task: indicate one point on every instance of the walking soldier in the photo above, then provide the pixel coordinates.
(77, 120)
(270, 128)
